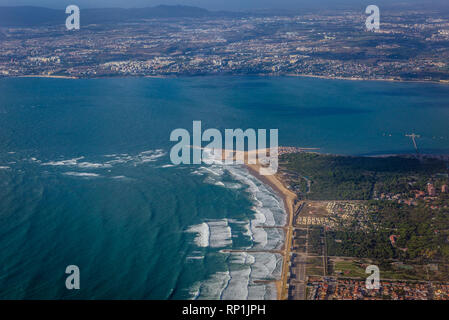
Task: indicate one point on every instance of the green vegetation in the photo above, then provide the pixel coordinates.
(360, 244)
(314, 271)
(391, 228)
(315, 244)
(315, 262)
(421, 234)
(350, 269)
(356, 178)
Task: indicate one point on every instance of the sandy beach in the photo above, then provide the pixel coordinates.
(289, 198)
(444, 82)
(47, 76)
(162, 76)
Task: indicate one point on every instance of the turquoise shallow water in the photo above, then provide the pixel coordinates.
(85, 178)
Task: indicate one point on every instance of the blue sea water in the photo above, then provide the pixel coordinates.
(85, 177)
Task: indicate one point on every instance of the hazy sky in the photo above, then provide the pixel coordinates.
(210, 4)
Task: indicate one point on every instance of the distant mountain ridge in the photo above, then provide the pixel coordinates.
(28, 16)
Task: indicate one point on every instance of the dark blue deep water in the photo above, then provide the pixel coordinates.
(85, 177)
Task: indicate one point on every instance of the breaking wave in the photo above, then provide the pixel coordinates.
(248, 275)
(82, 174)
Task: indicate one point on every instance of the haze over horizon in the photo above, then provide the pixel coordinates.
(231, 5)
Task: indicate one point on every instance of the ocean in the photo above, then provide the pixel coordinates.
(86, 179)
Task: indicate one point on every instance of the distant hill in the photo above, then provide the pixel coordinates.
(28, 16)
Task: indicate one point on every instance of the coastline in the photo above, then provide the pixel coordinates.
(289, 198)
(441, 82)
(47, 76)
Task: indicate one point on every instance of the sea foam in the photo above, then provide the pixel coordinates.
(243, 268)
(202, 234)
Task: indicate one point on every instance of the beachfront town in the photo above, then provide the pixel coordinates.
(410, 45)
(352, 289)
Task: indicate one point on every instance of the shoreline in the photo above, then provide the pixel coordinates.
(47, 76)
(291, 203)
(289, 198)
(444, 82)
(290, 75)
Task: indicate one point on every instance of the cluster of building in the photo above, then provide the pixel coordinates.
(288, 150)
(429, 195)
(322, 44)
(321, 288)
(310, 220)
(432, 191)
(440, 291)
(343, 213)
